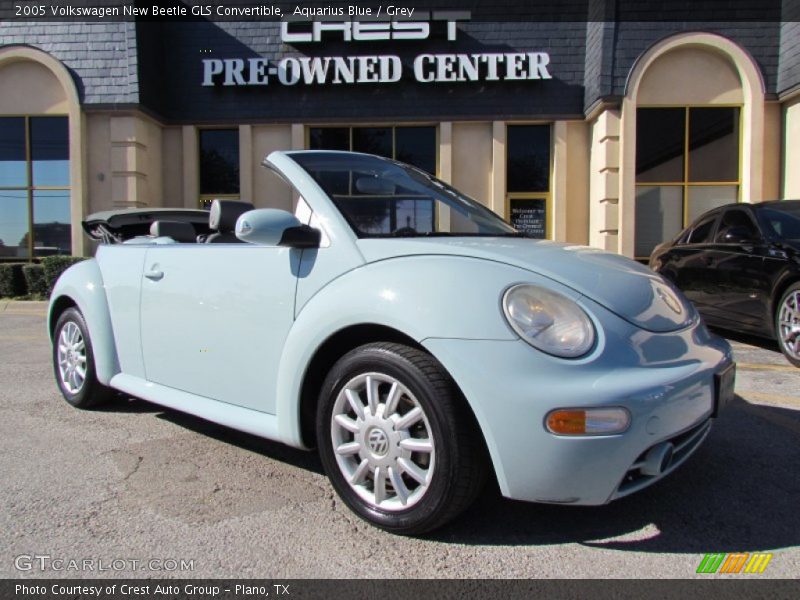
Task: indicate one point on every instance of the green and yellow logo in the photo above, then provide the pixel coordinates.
(735, 562)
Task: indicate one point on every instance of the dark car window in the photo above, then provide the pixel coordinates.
(738, 219)
(782, 222)
(702, 233)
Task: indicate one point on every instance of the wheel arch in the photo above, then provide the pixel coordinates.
(57, 307)
(325, 356)
(81, 286)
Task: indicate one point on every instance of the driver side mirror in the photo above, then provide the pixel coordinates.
(274, 227)
(738, 235)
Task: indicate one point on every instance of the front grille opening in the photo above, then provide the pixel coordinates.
(684, 443)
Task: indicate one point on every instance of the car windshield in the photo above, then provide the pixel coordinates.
(384, 198)
(782, 221)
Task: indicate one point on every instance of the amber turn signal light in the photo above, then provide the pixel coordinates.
(587, 421)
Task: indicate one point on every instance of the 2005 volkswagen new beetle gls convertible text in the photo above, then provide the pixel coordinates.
(407, 332)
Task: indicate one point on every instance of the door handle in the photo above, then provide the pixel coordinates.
(154, 274)
(708, 260)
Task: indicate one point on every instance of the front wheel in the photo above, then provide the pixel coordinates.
(73, 362)
(396, 439)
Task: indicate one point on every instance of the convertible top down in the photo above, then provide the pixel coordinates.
(417, 340)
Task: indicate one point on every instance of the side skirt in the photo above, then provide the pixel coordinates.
(236, 417)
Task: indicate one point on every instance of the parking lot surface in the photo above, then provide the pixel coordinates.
(136, 483)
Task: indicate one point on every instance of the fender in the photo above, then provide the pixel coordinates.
(405, 294)
(83, 284)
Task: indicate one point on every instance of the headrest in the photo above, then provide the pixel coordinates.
(177, 230)
(224, 214)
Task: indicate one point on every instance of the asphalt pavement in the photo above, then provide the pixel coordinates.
(168, 495)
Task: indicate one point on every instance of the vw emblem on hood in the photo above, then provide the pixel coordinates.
(669, 299)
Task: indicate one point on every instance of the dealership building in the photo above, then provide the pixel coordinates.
(613, 128)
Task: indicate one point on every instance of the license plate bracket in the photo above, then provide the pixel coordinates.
(724, 385)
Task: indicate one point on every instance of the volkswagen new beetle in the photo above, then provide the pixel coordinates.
(416, 339)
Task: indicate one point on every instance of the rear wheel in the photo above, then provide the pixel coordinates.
(787, 324)
(73, 362)
(397, 441)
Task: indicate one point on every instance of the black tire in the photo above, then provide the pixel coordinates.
(461, 465)
(90, 393)
(791, 355)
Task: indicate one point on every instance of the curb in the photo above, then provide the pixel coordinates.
(24, 307)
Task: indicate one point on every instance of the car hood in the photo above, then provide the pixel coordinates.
(621, 285)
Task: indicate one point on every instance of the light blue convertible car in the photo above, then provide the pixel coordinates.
(412, 336)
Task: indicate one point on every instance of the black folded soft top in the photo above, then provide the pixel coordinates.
(116, 226)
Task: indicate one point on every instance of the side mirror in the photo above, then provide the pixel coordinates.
(738, 235)
(274, 227)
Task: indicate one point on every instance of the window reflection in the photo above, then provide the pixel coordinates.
(14, 224)
(691, 153)
(713, 144)
(660, 144)
(12, 152)
(50, 151)
(34, 187)
(658, 216)
(51, 222)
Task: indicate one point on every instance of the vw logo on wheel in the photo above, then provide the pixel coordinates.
(378, 442)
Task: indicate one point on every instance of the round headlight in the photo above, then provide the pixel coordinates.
(548, 320)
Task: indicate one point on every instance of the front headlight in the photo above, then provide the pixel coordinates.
(548, 320)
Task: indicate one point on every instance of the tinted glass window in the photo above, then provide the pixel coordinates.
(740, 220)
(373, 140)
(219, 161)
(660, 144)
(658, 216)
(416, 146)
(34, 154)
(528, 158)
(14, 228)
(385, 198)
(13, 170)
(781, 221)
(713, 144)
(329, 138)
(50, 151)
(51, 219)
(702, 233)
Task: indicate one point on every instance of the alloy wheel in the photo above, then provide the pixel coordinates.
(71, 357)
(382, 441)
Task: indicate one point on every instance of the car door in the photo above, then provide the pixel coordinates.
(690, 261)
(215, 317)
(737, 259)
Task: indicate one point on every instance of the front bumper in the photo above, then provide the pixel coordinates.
(665, 380)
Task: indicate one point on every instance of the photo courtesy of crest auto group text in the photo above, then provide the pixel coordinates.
(326, 298)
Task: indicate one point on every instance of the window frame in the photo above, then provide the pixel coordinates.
(686, 181)
(30, 188)
(546, 196)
